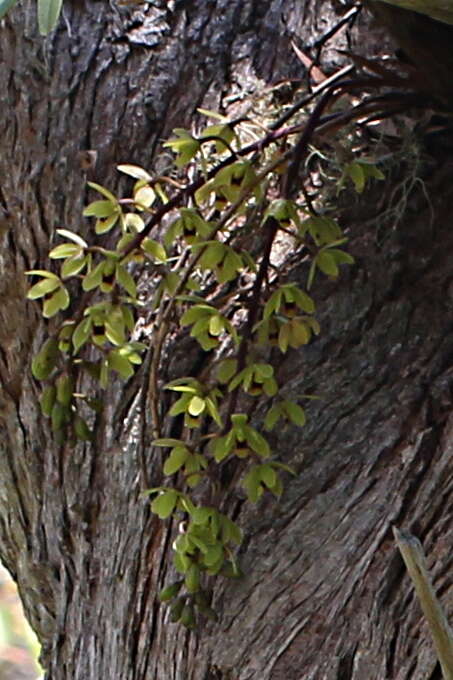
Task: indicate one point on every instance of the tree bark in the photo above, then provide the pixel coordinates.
(326, 595)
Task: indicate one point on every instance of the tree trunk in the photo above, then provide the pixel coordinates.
(326, 595)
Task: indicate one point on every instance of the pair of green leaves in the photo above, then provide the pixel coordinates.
(51, 289)
(208, 325)
(242, 440)
(223, 260)
(262, 477)
(195, 402)
(328, 259)
(189, 225)
(255, 379)
(284, 211)
(359, 172)
(181, 457)
(185, 146)
(230, 184)
(287, 301)
(107, 274)
(104, 322)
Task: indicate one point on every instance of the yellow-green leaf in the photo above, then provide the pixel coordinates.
(164, 504)
(48, 13)
(196, 406)
(43, 288)
(176, 460)
(100, 209)
(135, 171)
(65, 250)
(326, 263)
(155, 249)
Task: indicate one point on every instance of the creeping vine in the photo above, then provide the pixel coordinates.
(211, 246)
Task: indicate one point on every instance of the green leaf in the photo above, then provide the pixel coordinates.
(114, 331)
(311, 274)
(73, 237)
(273, 304)
(164, 504)
(72, 266)
(81, 429)
(341, 257)
(6, 5)
(299, 333)
(213, 411)
(104, 374)
(326, 263)
(357, 174)
(192, 580)
(257, 442)
(43, 288)
(59, 300)
(196, 406)
(184, 145)
(93, 278)
(155, 249)
(227, 368)
(213, 555)
(213, 114)
(303, 300)
(268, 475)
(175, 460)
(189, 385)
(295, 413)
(270, 387)
(323, 230)
(202, 515)
(65, 250)
(182, 563)
(185, 504)
(135, 171)
(245, 377)
(216, 325)
(231, 533)
(103, 225)
(46, 359)
(372, 171)
(285, 467)
(222, 447)
(48, 13)
(120, 364)
(284, 337)
(172, 281)
(167, 442)
(126, 281)
(42, 272)
(195, 313)
(180, 406)
(252, 484)
(272, 417)
(100, 209)
(102, 190)
(193, 480)
(144, 197)
(133, 223)
(168, 593)
(263, 371)
(224, 133)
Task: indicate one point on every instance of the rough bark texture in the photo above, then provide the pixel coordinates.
(326, 594)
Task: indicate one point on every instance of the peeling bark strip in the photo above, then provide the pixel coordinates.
(326, 598)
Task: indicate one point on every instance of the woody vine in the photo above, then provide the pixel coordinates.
(207, 236)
